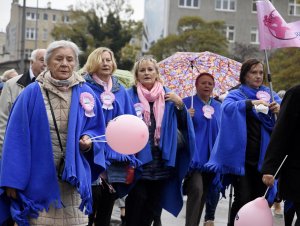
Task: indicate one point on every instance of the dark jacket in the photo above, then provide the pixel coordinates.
(284, 141)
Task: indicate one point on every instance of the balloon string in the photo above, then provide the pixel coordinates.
(96, 137)
(276, 173)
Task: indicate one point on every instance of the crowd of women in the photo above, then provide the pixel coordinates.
(56, 170)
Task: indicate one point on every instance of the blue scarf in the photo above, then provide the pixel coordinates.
(206, 130)
(229, 151)
(28, 164)
(172, 200)
(122, 105)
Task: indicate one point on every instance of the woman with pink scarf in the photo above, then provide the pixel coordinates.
(167, 155)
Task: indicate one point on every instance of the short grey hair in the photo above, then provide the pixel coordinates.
(33, 54)
(62, 44)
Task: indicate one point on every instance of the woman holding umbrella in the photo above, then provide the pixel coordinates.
(206, 119)
(247, 120)
(165, 161)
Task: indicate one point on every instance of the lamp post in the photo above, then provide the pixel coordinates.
(22, 66)
(36, 24)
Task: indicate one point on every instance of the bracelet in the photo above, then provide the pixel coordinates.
(180, 107)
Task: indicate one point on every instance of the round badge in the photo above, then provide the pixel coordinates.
(87, 102)
(208, 111)
(107, 99)
(139, 109)
(263, 95)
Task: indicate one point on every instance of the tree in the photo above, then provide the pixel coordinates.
(243, 52)
(96, 25)
(194, 35)
(284, 67)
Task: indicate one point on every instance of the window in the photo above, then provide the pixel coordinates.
(225, 5)
(230, 33)
(30, 33)
(254, 36)
(27, 53)
(189, 3)
(45, 16)
(294, 7)
(45, 34)
(65, 19)
(30, 16)
(53, 17)
(254, 9)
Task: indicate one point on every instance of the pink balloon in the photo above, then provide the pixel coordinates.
(127, 134)
(256, 212)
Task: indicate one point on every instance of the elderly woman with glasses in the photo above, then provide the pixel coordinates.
(165, 161)
(47, 152)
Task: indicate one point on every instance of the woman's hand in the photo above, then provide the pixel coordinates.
(274, 107)
(85, 143)
(191, 111)
(11, 193)
(268, 180)
(258, 102)
(175, 99)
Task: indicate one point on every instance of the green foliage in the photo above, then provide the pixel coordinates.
(194, 35)
(284, 67)
(97, 25)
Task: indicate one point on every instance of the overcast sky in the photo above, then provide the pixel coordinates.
(138, 6)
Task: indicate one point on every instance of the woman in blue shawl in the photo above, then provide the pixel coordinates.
(47, 152)
(247, 120)
(100, 67)
(165, 162)
(205, 114)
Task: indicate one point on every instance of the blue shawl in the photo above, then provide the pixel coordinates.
(28, 163)
(172, 200)
(122, 105)
(206, 130)
(229, 151)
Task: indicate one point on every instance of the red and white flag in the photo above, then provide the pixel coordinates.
(274, 32)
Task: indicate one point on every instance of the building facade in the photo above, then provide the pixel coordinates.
(38, 26)
(240, 17)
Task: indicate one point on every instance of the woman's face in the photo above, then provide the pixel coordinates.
(254, 78)
(62, 63)
(147, 74)
(106, 66)
(205, 86)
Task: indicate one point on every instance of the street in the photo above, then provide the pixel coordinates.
(169, 220)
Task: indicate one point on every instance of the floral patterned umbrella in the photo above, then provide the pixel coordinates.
(180, 70)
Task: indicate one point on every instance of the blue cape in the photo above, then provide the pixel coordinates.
(28, 163)
(229, 151)
(172, 200)
(206, 130)
(122, 105)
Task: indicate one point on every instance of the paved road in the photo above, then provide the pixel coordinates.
(170, 220)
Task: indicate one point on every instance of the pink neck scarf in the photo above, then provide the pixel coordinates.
(107, 97)
(156, 95)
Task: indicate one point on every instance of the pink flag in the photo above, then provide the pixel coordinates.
(274, 32)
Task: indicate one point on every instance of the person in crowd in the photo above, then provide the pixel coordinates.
(167, 155)
(13, 87)
(205, 113)
(48, 152)
(247, 120)
(1, 87)
(284, 141)
(8, 74)
(99, 68)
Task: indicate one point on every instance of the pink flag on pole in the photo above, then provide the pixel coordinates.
(274, 32)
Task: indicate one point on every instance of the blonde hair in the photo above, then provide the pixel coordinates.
(8, 74)
(94, 60)
(136, 67)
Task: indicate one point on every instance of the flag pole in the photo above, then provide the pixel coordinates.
(269, 77)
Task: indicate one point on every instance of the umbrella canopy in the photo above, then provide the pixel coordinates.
(180, 70)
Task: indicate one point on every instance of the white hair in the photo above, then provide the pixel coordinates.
(62, 44)
(34, 53)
